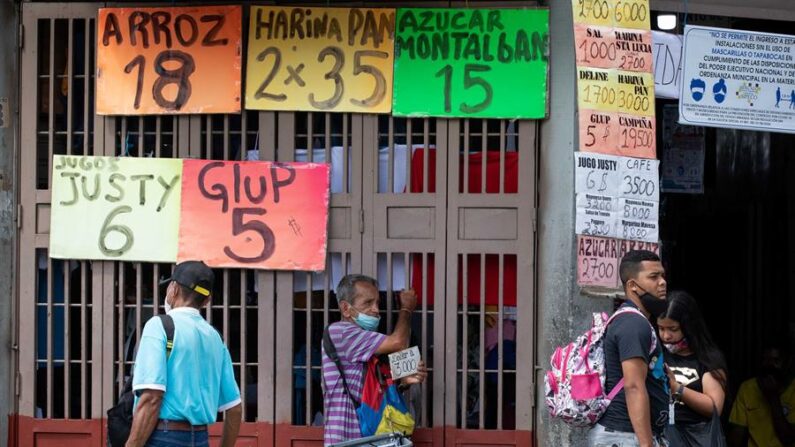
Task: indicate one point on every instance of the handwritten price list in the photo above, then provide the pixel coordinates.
(617, 176)
(617, 197)
(228, 214)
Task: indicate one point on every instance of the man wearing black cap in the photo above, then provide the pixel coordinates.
(179, 393)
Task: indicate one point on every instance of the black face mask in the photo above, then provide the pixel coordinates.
(653, 305)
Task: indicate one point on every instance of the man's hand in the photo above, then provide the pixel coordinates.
(232, 419)
(418, 377)
(408, 300)
(145, 418)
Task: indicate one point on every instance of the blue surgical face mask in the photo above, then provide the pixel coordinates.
(367, 322)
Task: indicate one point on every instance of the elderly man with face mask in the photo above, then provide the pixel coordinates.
(356, 341)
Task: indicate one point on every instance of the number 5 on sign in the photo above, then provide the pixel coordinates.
(405, 363)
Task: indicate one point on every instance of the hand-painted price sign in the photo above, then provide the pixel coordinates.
(596, 46)
(123, 209)
(168, 60)
(264, 215)
(598, 131)
(597, 261)
(634, 93)
(621, 13)
(404, 363)
(464, 63)
(329, 59)
(640, 179)
(633, 50)
(596, 89)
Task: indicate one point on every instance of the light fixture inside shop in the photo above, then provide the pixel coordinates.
(666, 22)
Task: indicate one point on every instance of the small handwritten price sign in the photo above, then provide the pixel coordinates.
(597, 261)
(124, 209)
(168, 60)
(265, 215)
(405, 363)
(465, 63)
(596, 46)
(596, 89)
(320, 59)
(634, 93)
(620, 13)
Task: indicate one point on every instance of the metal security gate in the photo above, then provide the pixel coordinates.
(444, 206)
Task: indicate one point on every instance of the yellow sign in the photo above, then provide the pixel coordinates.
(596, 89)
(115, 208)
(634, 93)
(633, 14)
(320, 59)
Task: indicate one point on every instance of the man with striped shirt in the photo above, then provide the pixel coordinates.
(356, 340)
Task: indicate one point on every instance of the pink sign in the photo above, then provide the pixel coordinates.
(633, 49)
(597, 261)
(264, 215)
(596, 46)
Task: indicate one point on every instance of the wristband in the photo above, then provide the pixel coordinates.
(405, 310)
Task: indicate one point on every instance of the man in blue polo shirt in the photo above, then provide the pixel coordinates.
(179, 395)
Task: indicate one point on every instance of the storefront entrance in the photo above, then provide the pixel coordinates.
(445, 206)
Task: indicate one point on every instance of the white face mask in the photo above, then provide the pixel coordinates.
(166, 304)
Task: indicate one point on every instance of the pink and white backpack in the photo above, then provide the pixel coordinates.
(575, 384)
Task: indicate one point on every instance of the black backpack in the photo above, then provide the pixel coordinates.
(120, 416)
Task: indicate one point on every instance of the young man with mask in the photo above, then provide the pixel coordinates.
(356, 341)
(639, 412)
(764, 411)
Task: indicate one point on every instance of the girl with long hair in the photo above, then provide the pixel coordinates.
(696, 372)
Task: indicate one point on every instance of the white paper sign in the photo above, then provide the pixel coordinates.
(596, 223)
(404, 363)
(617, 197)
(638, 220)
(596, 173)
(738, 79)
(667, 62)
(640, 178)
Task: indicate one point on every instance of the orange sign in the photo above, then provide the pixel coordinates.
(615, 133)
(264, 215)
(169, 60)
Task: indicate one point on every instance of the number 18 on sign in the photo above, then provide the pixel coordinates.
(168, 60)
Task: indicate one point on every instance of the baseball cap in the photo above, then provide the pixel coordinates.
(194, 275)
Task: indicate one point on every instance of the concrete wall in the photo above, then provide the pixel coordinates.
(8, 141)
(563, 312)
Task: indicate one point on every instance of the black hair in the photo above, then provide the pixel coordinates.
(683, 309)
(195, 298)
(630, 264)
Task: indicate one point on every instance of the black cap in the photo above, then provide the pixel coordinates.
(194, 275)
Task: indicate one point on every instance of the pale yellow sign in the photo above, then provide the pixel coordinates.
(320, 59)
(596, 89)
(114, 208)
(634, 14)
(634, 93)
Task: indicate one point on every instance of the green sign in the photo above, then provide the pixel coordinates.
(488, 63)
